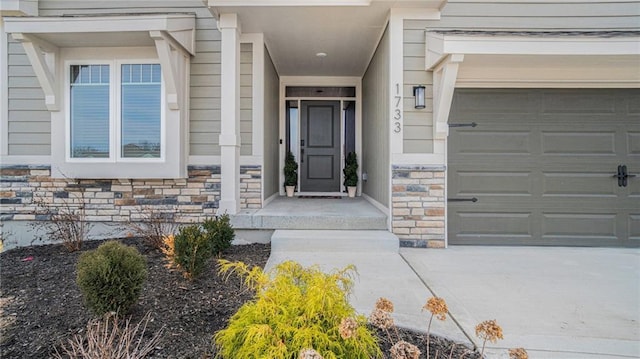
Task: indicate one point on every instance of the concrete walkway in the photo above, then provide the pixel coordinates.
(555, 302)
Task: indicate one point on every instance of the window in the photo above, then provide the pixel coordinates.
(89, 111)
(115, 112)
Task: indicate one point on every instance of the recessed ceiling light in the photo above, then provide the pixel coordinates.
(321, 54)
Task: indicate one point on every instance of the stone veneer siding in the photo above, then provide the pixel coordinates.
(250, 187)
(419, 206)
(121, 200)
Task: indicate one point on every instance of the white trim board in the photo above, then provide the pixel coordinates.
(19, 8)
(216, 161)
(257, 120)
(441, 45)
(337, 81)
(25, 160)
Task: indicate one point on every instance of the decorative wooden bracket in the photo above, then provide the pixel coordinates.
(170, 53)
(444, 82)
(42, 56)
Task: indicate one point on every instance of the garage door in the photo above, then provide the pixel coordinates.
(540, 167)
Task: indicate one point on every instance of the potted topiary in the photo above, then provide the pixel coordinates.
(290, 174)
(351, 173)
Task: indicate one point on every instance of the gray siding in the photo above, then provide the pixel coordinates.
(204, 111)
(474, 15)
(271, 169)
(375, 127)
(246, 98)
(418, 124)
(559, 15)
(29, 120)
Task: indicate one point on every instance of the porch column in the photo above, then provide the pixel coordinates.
(229, 140)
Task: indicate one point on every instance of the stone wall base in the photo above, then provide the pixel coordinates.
(418, 206)
(28, 193)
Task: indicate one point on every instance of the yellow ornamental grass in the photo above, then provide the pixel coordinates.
(295, 309)
(169, 247)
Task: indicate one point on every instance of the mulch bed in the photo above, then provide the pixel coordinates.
(41, 306)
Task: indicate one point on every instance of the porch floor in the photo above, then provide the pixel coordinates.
(313, 213)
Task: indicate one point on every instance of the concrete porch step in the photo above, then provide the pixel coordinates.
(306, 213)
(339, 241)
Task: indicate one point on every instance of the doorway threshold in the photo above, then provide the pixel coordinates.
(320, 194)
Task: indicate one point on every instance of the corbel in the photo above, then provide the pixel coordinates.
(42, 56)
(444, 83)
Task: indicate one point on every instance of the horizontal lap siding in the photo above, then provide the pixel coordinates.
(587, 16)
(204, 111)
(418, 124)
(30, 122)
(475, 15)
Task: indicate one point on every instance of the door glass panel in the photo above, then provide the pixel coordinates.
(349, 116)
(314, 91)
(293, 126)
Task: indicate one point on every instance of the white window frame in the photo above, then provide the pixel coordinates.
(115, 109)
(171, 164)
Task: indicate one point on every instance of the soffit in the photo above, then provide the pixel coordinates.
(348, 31)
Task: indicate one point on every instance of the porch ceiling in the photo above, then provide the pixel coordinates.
(295, 31)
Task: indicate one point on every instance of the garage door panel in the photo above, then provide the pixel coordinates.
(633, 143)
(576, 103)
(497, 183)
(633, 103)
(633, 223)
(633, 186)
(484, 224)
(494, 102)
(579, 143)
(579, 225)
(582, 184)
(493, 142)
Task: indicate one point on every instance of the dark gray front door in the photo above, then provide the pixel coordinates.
(320, 146)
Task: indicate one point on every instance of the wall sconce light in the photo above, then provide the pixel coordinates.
(418, 93)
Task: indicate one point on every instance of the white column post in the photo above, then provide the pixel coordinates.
(230, 114)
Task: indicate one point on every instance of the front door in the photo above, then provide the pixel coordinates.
(320, 146)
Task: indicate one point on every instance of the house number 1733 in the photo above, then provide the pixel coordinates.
(397, 112)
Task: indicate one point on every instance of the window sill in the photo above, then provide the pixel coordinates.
(95, 170)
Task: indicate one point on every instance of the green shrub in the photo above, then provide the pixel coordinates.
(219, 232)
(350, 170)
(295, 308)
(192, 249)
(111, 277)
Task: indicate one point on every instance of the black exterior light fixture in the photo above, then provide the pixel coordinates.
(418, 93)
